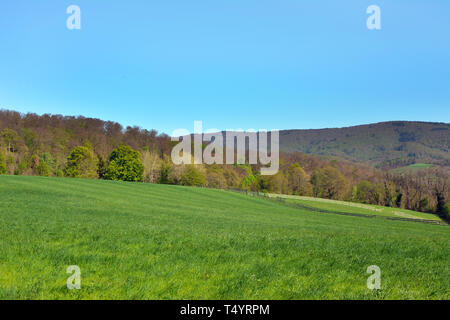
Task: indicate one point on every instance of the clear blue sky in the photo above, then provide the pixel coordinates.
(230, 63)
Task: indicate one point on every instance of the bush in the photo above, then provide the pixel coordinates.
(298, 181)
(216, 180)
(2, 163)
(42, 169)
(329, 183)
(193, 177)
(446, 209)
(81, 163)
(22, 167)
(125, 165)
(446, 212)
(49, 161)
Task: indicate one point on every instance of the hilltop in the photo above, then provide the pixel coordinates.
(385, 144)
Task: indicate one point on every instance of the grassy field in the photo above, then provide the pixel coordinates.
(357, 208)
(413, 167)
(143, 241)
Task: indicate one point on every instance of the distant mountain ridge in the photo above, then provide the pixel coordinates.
(384, 144)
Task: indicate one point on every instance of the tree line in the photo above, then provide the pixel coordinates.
(55, 145)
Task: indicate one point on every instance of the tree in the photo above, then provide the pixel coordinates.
(81, 163)
(124, 164)
(42, 169)
(277, 183)
(298, 181)
(249, 182)
(2, 163)
(101, 167)
(152, 165)
(164, 171)
(389, 193)
(10, 138)
(231, 177)
(46, 159)
(193, 177)
(216, 180)
(329, 183)
(215, 177)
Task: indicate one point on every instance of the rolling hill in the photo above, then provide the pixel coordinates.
(147, 241)
(386, 144)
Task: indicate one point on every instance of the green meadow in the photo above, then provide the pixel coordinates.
(413, 167)
(356, 208)
(145, 241)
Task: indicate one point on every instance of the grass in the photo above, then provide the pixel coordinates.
(357, 208)
(143, 241)
(413, 167)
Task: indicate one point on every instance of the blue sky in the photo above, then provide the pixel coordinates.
(230, 63)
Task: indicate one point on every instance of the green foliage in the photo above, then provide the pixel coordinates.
(30, 139)
(389, 194)
(249, 182)
(367, 192)
(101, 167)
(23, 165)
(42, 169)
(166, 167)
(441, 204)
(49, 161)
(329, 183)
(81, 163)
(423, 204)
(299, 181)
(125, 165)
(193, 177)
(10, 139)
(446, 208)
(215, 177)
(231, 177)
(3, 169)
(279, 183)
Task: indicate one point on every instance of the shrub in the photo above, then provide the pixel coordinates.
(193, 177)
(2, 163)
(49, 161)
(42, 169)
(22, 167)
(298, 181)
(329, 183)
(81, 163)
(125, 165)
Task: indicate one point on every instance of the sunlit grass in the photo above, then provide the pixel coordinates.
(143, 241)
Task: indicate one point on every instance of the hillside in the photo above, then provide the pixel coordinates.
(147, 241)
(56, 145)
(387, 144)
(344, 207)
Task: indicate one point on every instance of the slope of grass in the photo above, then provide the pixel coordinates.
(143, 241)
(357, 208)
(413, 167)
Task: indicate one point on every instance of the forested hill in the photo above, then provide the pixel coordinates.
(386, 144)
